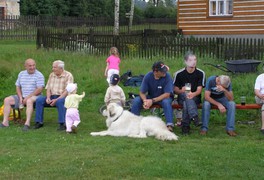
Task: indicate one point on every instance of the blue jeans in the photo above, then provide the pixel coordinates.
(165, 104)
(41, 103)
(230, 116)
(190, 109)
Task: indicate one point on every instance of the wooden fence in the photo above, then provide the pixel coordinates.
(25, 27)
(152, 43)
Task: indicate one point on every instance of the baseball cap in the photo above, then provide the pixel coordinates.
(160, 66)
(114, 79)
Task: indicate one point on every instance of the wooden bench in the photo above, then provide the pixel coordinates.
(238, 106)
(174, 106)
(18, 120)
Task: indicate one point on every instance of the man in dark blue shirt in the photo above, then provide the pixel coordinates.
(218, 92)
(156, 88)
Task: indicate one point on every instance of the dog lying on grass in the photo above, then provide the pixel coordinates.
(121, 122)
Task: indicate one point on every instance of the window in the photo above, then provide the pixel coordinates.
(220, 7)
(2, 12)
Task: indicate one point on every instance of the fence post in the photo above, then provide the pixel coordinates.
(38, 39)
(219, 42)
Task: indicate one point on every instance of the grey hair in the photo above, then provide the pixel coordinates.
(188, 54)
(60, 63)
(224, 80)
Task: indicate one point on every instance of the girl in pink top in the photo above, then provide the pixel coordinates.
(112, 63)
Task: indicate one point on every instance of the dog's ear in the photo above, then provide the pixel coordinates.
(111, 110)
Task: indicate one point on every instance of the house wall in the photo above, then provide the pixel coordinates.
(248, 18)
(11, 7)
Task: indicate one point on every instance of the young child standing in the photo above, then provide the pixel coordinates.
(114, 93)
(72, 103)
(112, 63)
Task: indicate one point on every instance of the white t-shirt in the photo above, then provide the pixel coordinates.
(259, 84)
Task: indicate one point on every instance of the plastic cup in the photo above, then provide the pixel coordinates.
(243, 100)
(21, 106)
(188, 87)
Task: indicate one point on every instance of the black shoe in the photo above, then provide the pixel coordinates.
(196, 121)
(186, 130)
(61, 127)
(38, 125)
(170, 128)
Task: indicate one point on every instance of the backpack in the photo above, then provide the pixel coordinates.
(128, 80)
(134, 81)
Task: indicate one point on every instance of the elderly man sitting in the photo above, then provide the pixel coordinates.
(29, 86)
(56, 93)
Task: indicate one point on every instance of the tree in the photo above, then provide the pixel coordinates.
(155, 2)
(28, 7)
(160, 12)
(116, 26)
(131, 15)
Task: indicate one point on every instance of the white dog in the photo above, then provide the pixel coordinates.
(121, 122)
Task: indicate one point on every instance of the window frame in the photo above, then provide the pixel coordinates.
(225, 9)
(2, 11)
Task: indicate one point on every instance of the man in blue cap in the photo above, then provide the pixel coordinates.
(156, 88)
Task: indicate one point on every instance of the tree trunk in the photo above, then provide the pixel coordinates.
(131, 15)
(116, 26)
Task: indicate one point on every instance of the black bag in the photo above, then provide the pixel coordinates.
(134, 81)
(128, 80)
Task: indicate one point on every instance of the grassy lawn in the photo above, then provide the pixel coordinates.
(49, 154)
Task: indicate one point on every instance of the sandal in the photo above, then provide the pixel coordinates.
(2, 126)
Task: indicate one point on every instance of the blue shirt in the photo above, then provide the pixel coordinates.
(211, 86)
(29, 82)
(156, 87)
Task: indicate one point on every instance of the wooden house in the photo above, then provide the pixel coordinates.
(9, 7)
(221, 17)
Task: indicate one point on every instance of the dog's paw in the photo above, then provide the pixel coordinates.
(93, 133)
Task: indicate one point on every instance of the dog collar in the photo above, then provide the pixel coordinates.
(118, 116)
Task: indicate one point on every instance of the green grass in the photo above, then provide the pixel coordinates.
(49, 154)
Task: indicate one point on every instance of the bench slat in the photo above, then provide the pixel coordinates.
(238, 106)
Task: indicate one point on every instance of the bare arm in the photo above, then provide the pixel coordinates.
(148, 102)
(106, 69)
(34, 93)
(177, 90)
(207, 97)
(161, 97)
(48, 96)
(228, 94)
(19, 94)
(258, 94)
(53, 101)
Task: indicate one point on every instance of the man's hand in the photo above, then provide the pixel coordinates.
(53, 102)
(190, 95)
(24, 101)
(261, 96)
(221, 108)
(147, 103)
(220, 88)
(48, 101)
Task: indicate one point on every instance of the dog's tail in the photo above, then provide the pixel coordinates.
(166, 136)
